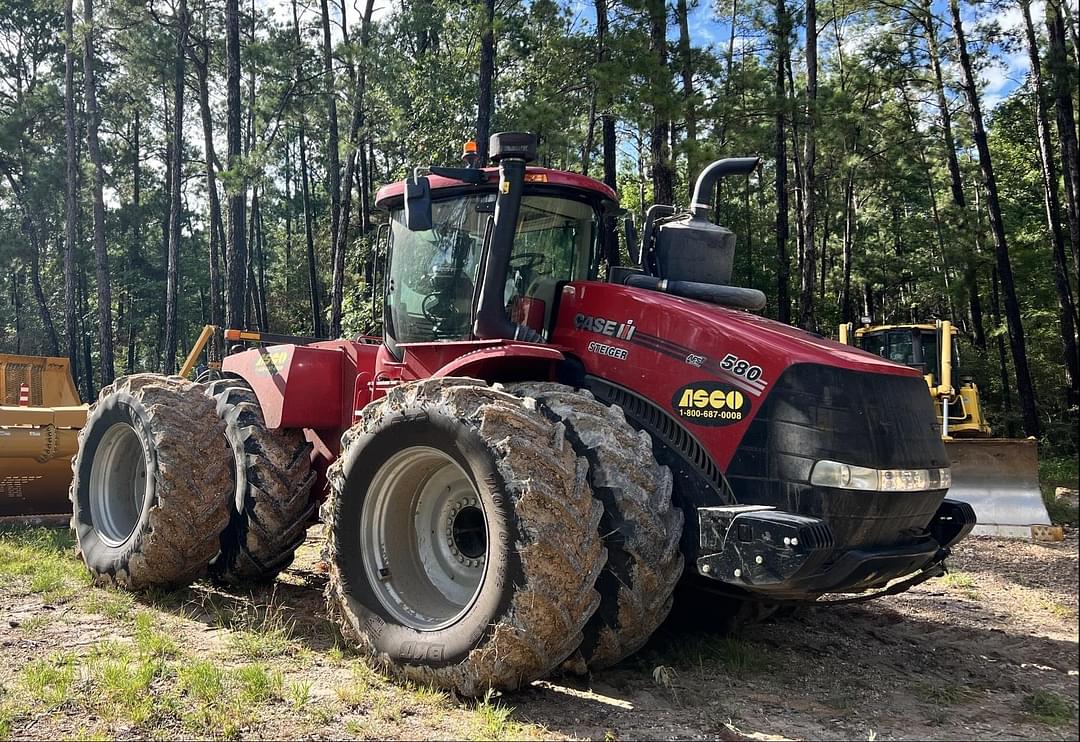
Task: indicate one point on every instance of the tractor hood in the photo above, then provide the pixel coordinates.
(702, 335)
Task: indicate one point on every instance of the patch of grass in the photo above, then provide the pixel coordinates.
(1049, 708)
(963, 583)
(1057, 609)
(261, 632)
(259, 683)
(202, 680)
(361, 689)
(43, 558)
(494, 720)
(34, 624)
(364, 728)
(300, 694)
(150, 641)
(426, 695)
(7, 716)
(109, 602)
(958, 580)
(124, 689)
(49, 681)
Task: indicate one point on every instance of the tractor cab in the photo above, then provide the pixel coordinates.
(458, 269)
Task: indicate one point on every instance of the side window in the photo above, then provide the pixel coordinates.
(557, 240)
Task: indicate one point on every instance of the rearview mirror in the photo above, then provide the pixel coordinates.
(418, 204)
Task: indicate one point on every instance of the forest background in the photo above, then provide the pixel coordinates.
(164, 165)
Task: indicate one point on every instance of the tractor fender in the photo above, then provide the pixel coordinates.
(298, 386)
(506, 362)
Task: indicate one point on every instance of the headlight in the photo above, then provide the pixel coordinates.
(851, 477)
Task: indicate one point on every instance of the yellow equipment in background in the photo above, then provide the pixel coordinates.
(999, 477)
(40, 419)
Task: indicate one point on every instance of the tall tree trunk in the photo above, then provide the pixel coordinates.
(487, 74)
(172, 274)
(971, 283)
(1063, 80)
(663, 176)
(359, 82)
(101, 254)
(89, 390)
(1066, 311)
(846, 308)
(313, 278)
(333, 162)
(217, 224)
(71, 185)
(729, 67)
(783, 231)
(686, 70)
(236, 259)
(1024, 387)
(608, 143)
(809, 263)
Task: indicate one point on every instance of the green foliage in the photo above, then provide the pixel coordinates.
(906, 251)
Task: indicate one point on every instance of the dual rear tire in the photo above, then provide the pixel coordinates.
(174, 480)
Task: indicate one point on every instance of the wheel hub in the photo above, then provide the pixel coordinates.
(118, 484)
(424, 538)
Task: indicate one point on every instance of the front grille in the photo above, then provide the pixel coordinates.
(819, 412)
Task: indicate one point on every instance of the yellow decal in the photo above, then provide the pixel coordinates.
(270, 363)
(710, 403)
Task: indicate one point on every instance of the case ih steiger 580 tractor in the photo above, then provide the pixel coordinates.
(515, 476)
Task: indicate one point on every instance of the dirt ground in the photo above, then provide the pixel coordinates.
(988, 652)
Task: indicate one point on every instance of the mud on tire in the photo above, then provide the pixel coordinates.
(534, 591)
(150, 484)
(641, 527)
(272, 504)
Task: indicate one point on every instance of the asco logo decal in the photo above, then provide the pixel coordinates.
(711, 403)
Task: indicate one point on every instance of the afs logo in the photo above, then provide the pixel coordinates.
(710, 403)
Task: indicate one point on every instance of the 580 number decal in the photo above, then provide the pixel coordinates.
(739, 367)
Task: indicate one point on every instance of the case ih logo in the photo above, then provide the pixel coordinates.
(710, 403)
(602, 326)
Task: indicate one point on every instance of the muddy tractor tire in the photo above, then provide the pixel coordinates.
(151, 483)
(641, 526)
(272, 504)
(462, 537)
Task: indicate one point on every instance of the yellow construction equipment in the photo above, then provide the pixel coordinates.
(40, 419)
(999, 477)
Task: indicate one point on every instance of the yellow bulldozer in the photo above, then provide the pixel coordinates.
(998, 477)
(40, 419)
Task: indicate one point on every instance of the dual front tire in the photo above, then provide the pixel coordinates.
(480, 537)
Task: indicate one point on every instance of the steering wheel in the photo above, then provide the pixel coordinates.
(527, 261)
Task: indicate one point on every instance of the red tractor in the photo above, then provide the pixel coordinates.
(541, 445)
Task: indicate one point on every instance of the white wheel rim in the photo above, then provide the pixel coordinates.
(423, 538)
(118, 485)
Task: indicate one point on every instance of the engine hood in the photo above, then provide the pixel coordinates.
(705, 330)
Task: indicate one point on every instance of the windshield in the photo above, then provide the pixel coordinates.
(893, 345)
(433, 274)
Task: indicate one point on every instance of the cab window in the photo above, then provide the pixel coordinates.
(557, 240)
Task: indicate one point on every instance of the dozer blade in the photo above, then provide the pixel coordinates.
(999, 477)
(40, 418)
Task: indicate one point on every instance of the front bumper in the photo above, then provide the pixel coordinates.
(788, 556)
